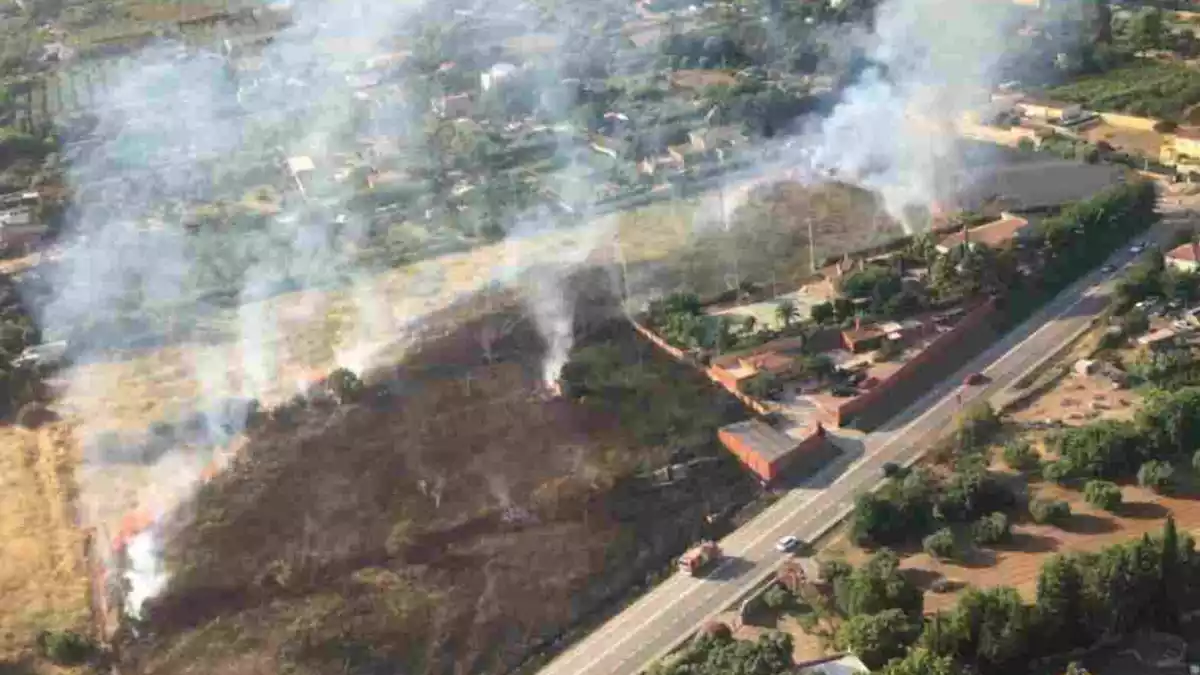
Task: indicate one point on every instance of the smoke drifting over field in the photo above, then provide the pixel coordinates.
(130, 272)
(932, 61)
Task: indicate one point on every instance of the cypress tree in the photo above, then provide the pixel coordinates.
(1170, 585)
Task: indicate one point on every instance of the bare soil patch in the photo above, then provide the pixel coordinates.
(1147, 143)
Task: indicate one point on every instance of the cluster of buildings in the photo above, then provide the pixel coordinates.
(21, 225)
(876, 364)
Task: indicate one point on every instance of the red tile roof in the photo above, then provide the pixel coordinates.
(770, 361)
(1189, 252)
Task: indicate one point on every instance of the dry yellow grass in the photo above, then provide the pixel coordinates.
(43, 579)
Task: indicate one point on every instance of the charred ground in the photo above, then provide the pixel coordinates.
(452, 520)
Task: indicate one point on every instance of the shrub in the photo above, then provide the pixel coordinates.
(1020, 456)
(822, 312)
(1059, 471)
(831, 570)
(940, 544)
(1102, 494)
(991, 529)
(976, 425)
(65, 648)
(1155, 475)
(776, 597)
(1049, 511)
(344, 385)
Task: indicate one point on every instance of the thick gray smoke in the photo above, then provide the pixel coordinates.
(932, 61)
(177, 127)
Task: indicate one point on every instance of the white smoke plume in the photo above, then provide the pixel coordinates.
(928, 63)
(895, 131)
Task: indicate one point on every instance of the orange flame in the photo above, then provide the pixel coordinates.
(133, 524)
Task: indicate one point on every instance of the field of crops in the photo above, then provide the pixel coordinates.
(1162, 90)
(104, 52)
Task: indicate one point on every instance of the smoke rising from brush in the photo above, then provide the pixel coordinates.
(894, 131)
(180, 129)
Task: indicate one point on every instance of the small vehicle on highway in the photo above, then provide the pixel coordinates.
(788, 543)
(1108, 269)
(697, 558)
(974, 379)
(1137, 248)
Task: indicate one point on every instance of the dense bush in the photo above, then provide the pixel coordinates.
(1049, 511)
(1102, 494)
(976, 426)
(1020, 456)
(877, 638)
(719, 654)
(66, 648)
(876, 586)
(967, 495)
(993, 528)
(1156, 475)
(776, 597)
(897, 512)
(940, 544)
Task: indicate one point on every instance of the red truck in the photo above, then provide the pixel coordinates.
(698, 557)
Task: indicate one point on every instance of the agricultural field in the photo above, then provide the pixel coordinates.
(44, 583)
(1162, 90)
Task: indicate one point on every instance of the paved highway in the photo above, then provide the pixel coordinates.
(663, 618)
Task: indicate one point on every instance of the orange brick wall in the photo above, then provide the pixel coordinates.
(864, 401)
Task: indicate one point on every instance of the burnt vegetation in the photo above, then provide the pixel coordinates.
(446, 519)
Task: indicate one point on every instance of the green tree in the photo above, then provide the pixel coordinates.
(344, 386)
(1020, 456)
(1060, 471)
(940, 544)
(1049, 511)
(1171, 581)
(777, 597)
(1146, 29)
(1102, 494)
(970, 494)
(877, 638)
(1061, 608)
(876, 586)
(976, 425)
(993, 528)
(989, 628)
(1156, 475)
(822, 312)
(921, 661)
(786, 312)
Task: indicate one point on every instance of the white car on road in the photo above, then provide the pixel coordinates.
(786, 544)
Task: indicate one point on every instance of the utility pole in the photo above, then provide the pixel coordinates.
(737, 275)
(812, 247)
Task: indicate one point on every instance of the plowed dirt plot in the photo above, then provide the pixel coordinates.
(1018, 563)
